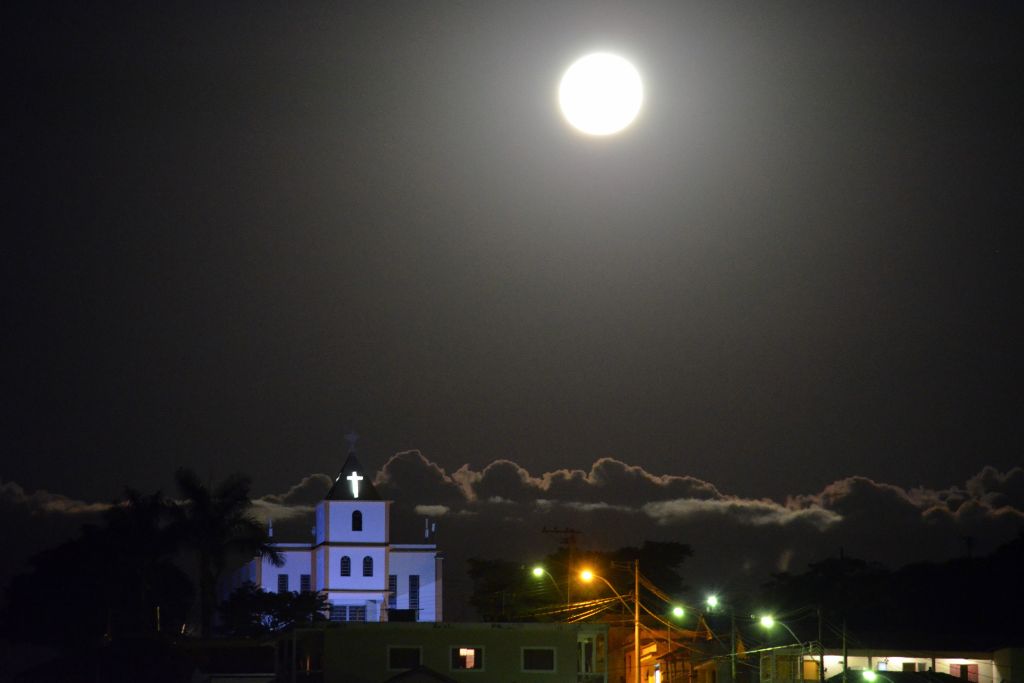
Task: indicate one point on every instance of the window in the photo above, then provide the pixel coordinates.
(414, 591)
(305, 585)
(367, 566)
(357, 521)
(348, 613)
(346, 566)
(810, 670)
(538, 659)
(965, 672)
(282, 583)
(392, 591)
(467, 658)
(403, 657)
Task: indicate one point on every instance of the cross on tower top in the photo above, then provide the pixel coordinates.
(355, 479)
(351, 437)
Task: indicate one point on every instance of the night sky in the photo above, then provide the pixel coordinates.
(235, 231)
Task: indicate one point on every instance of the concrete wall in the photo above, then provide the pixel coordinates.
(358, 653)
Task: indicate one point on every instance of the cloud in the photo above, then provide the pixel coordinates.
(503, 510)
(44, 502)
(751, 512)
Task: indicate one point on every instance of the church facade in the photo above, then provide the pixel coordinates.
(352, 560)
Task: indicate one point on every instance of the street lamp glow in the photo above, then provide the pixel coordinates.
(870, 675)
(538, 571)
(767, 621)
(712, 601)
(678, 611)
(586, 575)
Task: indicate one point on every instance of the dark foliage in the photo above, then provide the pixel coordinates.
(253, 612)
(507, 591)
(216, 526)
(107, 583)
(966, 602)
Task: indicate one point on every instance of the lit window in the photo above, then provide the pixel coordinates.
(468, 658)
(538, 659)
(346, 566)
(367, 566)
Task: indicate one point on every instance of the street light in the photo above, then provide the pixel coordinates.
(712, 602)
(539, 571)
(587, 576)
(769, 621)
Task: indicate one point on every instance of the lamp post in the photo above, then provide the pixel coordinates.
(587, 576)
(768, 621)
(539, 571)
(712, 602)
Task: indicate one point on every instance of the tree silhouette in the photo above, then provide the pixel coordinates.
(109, 582)
(216, 526)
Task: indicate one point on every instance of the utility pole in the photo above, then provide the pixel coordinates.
(732, 645)
(636, 617)
(569, 541)
(821, 650)
(844, 650)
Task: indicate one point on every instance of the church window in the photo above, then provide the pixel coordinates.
(282, 583)
(392, 591)
(346, 565)
(414, 591)
(367, 566)
(304, 583)
(338, 612)
(357, 521)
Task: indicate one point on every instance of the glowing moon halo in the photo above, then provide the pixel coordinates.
(600, 94)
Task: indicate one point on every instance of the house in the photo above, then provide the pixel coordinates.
(352, 560)
(460, 653)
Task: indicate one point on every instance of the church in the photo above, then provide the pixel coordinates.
(352, 560)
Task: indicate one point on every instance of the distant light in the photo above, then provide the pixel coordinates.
(712, 601)
(870, 675)
(538, 571)
(767, 621)
(587, 575)
(678, 611)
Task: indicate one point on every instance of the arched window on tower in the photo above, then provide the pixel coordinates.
(357, 521)
(346, 565)
(367, 566)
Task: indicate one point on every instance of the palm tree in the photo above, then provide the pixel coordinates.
(216, 525)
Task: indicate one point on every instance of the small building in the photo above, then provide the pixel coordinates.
(465, 653)
(353, 561)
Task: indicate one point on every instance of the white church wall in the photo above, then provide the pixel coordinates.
(374, 522)
(356, 580)
(418, 561)
(297, 562)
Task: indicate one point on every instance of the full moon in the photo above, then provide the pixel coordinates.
(600, 94)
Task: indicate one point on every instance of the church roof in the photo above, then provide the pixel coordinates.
(352, 482)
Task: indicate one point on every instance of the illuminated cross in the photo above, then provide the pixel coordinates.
(355, 479)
